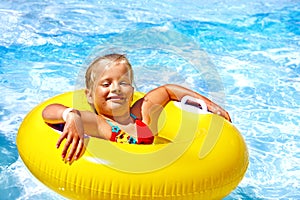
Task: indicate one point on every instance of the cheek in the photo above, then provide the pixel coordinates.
(99, 102)
(101, 92)
(130, 95)
(100, 95)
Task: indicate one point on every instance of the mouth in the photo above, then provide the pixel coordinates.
(115, 98)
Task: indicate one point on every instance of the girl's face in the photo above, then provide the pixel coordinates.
(112, 92)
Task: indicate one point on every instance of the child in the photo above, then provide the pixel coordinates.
(109, 91)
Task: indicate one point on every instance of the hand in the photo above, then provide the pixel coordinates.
(74, 134)
(227, 116)
(219, 111)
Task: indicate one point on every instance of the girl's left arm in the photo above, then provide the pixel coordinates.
(158, 98)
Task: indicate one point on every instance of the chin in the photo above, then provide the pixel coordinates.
(118, 108)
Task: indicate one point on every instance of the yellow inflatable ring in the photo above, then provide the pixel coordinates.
(206, 158)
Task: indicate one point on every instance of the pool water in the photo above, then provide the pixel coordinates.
(244, 55)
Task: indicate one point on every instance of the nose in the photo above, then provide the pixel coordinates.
(115, 87)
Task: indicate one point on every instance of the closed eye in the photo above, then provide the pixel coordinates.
(125, 83)
(105, 84)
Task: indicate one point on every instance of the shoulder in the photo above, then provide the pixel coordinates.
(136, 108)
(142, 109)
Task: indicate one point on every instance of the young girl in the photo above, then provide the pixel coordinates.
(109, 91)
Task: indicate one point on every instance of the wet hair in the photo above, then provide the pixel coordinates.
(104, 62)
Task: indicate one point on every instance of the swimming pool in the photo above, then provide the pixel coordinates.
(250, 48)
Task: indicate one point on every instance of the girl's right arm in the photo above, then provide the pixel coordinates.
(77, 123)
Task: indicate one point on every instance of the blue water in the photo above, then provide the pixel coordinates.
(245, 55)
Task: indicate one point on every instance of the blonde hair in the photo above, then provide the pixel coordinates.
(104, 62)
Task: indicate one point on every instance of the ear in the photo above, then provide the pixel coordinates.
(89, 96)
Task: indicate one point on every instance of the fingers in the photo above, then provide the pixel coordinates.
(65, 135)
(76, 149)
(74, 143)
(66, 147)
(228, 116)
(61, 138)
(225, 114)
(220, 111)
(79, 149)
(72, 150)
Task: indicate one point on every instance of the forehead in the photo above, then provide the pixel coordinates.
(115, 70)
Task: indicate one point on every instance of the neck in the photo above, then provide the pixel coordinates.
(122, 119)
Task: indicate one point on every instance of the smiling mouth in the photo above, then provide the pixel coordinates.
(115, 98)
